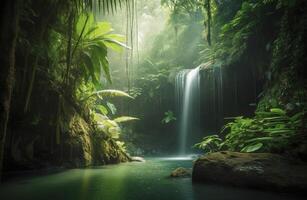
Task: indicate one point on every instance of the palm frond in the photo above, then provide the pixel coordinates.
(107, 6)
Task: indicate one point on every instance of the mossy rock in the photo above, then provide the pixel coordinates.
(254, 170)
(181, 172)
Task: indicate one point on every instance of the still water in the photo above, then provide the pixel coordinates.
(127, 181)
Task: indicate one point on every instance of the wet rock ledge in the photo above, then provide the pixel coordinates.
(252, 170)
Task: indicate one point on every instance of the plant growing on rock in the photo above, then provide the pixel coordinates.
(168, 117)
(209, 144)
(108, 127)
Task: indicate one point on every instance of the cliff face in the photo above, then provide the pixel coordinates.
(260, 61)
(286, 84)
(83, 147)
(79, 146)
(227, 91)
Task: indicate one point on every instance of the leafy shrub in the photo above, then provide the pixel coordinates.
(168, 117)
(211, 143)
(266, 132)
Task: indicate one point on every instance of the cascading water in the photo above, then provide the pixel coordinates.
(187, 96)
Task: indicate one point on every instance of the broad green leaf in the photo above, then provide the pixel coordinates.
(125, 119)
(110, 123)
(252, 147)
(115, 42)
(102, 29)
(81, 22)
(168, 117)
(112, 93)
(104, 64)
(117, 37)
(114, 46)
(278, 111)
(297, 116)
(100, 118)
(90, 67)
(102, 109)
(261, 139)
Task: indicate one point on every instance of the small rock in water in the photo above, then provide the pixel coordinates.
(181, 172)
(137, 159)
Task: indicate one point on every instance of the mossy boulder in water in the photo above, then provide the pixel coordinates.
(108, 152)
(255, 170)
(181, 172)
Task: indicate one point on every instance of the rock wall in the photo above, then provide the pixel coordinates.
(79, 146)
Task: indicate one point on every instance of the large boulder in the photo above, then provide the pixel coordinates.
(254, 170)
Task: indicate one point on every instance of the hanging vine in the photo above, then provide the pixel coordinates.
(132, 40)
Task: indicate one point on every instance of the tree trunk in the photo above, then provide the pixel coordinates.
(9, 30)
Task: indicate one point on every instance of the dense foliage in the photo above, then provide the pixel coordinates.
(58, 105)
(58, 69)
(264, 34)
(272, 131)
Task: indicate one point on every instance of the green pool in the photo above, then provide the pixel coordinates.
(131, 181)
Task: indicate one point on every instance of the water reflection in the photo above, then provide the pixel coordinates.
(129, 181)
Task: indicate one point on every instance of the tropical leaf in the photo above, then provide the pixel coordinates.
(278, 111)
(116, 37)
(104, 64)
(112, 93)
(89, 66)
(297, 116)
(125, 119)
(92, 41)
(112, 108)
(102, 109)
(252, 148)
(99, 118)
(103, 28)
(261, 139)
(115, 45)
(210, 143)
(105, 6)
(168, 117)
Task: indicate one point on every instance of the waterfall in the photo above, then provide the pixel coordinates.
(187, 98)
